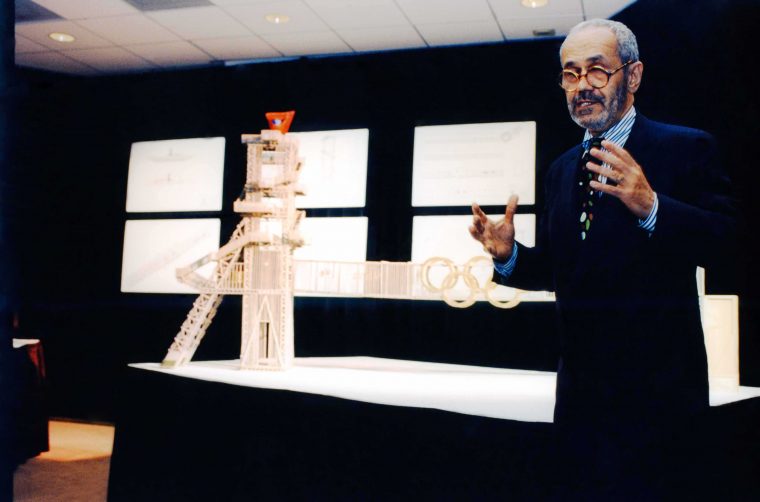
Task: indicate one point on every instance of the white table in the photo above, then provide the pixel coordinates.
(489, 392)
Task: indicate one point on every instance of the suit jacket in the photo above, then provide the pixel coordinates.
(632, 346)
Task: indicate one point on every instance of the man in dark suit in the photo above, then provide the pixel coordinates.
(628, 217)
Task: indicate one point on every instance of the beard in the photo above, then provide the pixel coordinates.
(610, 110)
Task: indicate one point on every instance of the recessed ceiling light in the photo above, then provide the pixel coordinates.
(278, 18)
(534, 4)
(62, 37)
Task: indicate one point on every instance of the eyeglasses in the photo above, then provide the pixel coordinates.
(596, 76)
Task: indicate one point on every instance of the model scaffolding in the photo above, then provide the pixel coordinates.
(258, 264)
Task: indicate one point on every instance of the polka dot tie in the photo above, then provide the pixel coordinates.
(588, 197)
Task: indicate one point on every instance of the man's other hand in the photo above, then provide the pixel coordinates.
(626, 179)
(497, 238)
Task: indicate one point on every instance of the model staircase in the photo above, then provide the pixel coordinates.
(200, 316)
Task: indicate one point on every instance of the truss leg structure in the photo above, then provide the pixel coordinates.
(201, 314)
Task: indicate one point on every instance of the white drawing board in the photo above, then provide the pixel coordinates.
(333, 239)
(329, 239)
(456, 165)
(448, 237)
(154, 249)
(176, 175)
(335, 168)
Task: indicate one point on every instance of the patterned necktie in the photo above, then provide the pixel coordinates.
(587, 195)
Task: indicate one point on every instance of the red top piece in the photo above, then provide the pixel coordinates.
(280, 121)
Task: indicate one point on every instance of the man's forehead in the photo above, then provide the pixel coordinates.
(592, 44)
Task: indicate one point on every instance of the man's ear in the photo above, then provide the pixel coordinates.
(634, 76)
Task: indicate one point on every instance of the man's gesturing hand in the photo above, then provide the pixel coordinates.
(497, 238)
(628, 182)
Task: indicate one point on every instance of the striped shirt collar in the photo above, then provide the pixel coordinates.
(618, 133)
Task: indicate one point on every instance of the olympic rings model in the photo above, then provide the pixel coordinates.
(452, 277)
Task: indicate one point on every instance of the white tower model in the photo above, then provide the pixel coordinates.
(258, 264)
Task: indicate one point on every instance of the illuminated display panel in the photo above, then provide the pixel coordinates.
(330, 239)
(456, 165)
(447, 236)
(154, 249)
(176, 175)
(333, 239)
(334, 173)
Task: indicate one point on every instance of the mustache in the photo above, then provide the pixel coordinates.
(587, 95)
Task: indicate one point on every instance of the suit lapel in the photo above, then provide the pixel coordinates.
(562, 218)
(638, 141)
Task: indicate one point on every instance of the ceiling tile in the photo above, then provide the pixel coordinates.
(604, 8)
(523, 28)
(307, 43)
(84, 9)
(445, 11)
(126, 30)
(171, 53)
(226, 29)
(54, 61)
(38, 32)
(302, 18)
(110, 59)
(228, 49)
(510, 9)
(358, 13)
(24, 45)
(199, 22)
(376, 39)
(461, 33)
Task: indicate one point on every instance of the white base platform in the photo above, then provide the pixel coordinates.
(489, 392)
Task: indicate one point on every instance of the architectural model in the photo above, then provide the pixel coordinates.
(258, 264)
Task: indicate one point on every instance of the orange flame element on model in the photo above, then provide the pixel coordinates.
(280, 121)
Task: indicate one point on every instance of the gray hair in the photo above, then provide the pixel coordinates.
(627, 48)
